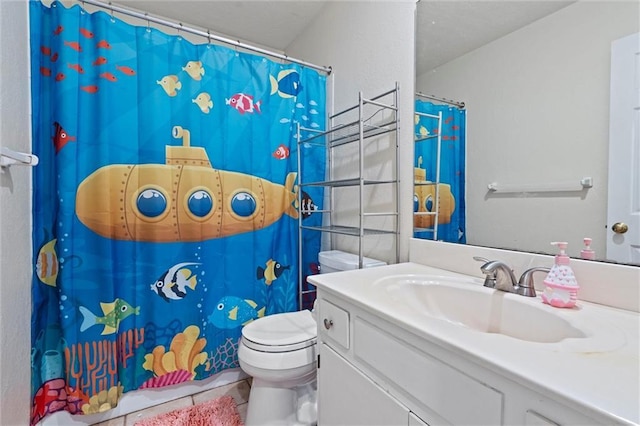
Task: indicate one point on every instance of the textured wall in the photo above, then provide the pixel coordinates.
(15, 213)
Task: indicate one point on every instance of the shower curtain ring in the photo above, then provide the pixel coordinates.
(180, 28)
(146, 15)
(113, 19)
(209, 36)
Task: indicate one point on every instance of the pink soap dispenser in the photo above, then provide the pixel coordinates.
(561, 287)
(586, 252)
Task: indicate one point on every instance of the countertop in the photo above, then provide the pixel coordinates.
(600, 373)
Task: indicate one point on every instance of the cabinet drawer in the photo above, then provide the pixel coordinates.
(456, 397)
(333, 322)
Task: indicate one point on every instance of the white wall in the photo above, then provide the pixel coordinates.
(370, 46)
(15, 213)
(538, 108)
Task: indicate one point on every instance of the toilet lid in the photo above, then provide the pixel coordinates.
(281, 332)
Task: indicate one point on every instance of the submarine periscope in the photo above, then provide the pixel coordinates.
(185, 199)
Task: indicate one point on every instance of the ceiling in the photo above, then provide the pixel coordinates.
(446, 29)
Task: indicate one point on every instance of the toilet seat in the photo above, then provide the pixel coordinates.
(279, 333)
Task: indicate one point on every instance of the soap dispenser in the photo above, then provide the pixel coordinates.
(587, 252)
(561, 287)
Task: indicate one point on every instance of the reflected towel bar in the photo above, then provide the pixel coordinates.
(9, 157)
(584, 183)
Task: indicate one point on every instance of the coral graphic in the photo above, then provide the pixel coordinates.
(94, 366)
(103, 400)
(54, 395)
(184, 354)
(225, 356)
(168, 379)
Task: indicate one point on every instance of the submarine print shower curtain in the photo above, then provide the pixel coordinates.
(451, 189)
(165, 205)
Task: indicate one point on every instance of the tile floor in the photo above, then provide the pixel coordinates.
(238, 390)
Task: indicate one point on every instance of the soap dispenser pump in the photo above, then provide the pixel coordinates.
(587, 252)
(561, 289)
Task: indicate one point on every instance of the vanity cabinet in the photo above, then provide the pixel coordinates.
(373, 371)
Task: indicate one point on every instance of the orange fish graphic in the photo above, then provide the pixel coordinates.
(54, 57)
(61, 138)
(125, 70)
(60, 76)
(86, 33)
(58, 30)
(74, 45)
(90, 89)
(108, 76)
(282, 152)
(45, 50)
(101, 60)
(76, 67)
(103, 44)
(45, 71)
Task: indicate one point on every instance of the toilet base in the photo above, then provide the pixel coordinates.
(272, 405)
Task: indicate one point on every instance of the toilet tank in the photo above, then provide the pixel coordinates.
(336, 260)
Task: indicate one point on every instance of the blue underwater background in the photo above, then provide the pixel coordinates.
(107, 95)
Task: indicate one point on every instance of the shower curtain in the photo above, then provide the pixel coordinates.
(451, 217)
(165, 204)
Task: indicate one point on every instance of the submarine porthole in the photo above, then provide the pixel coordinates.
(200, 203)
(243, 204)
(416, 203)
(428, 203)
(151, 203)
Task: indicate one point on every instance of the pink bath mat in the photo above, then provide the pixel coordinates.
(218, 412)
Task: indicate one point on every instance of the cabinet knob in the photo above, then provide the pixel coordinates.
(328, 323)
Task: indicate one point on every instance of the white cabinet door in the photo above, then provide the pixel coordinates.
(346, 397)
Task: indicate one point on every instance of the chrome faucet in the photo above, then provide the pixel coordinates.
(500, 276)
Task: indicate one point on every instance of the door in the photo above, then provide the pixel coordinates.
(623, 226)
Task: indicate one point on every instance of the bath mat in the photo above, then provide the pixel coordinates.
(221, 411)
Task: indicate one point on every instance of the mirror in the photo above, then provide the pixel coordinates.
(537, 101)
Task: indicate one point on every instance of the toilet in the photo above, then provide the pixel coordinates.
(279, 352)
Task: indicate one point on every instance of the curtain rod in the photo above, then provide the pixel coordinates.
(207, 34)
(446, 101)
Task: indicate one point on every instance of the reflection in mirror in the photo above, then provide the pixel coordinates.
(538, 102)
(439, 182)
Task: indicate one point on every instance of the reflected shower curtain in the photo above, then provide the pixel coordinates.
(451, 217)
(165, 209)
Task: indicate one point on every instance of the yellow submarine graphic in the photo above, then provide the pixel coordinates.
(424, 200)
(183, 200)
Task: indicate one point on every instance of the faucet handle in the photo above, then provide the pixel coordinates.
(490, 277)
(526, 285)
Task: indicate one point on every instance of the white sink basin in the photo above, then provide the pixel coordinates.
(465, 302)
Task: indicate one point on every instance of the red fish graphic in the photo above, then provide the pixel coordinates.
(61, 138)
(54, 57)
(76, 67)
(90, 89)
(108, 76)
(58, 30)
(45, 71)
(100, 60)
(45, 50)
(86, 33)
(125, 70)
(74, 45)
(282, 152)
(60, 76)
(243, 103)
(454, 127)
(103, 44)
